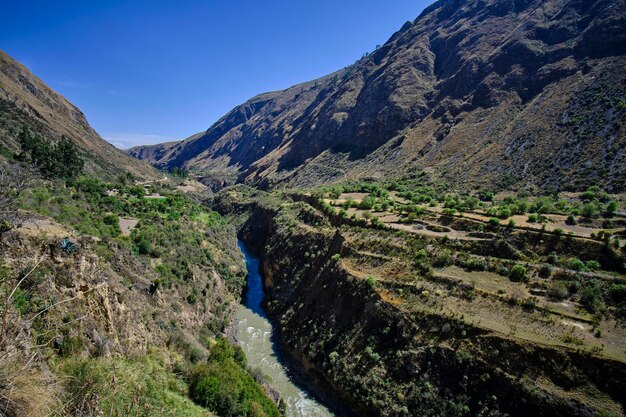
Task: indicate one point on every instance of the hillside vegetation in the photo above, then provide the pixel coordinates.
(398, 306)
(114, 300)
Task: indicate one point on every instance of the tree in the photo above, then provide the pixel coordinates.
(518, 273)
(60, 160)
(66, 154)
(611, 208)
(589, 210)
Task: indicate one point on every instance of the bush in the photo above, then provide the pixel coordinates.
(611, 208)
(494, 222)
(558, 291)
(575, 264)
(571, 220)
(591, 296)
(371, 280)
(545, 271)
(70, 345)
(553, 258)
(593, 265)
(224, 387)
(618, 292)
(475, 264)
(589, 210)
(443, 259)
(143, 245)
(518, 273)
(532, 218)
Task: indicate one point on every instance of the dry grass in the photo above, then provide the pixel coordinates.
(24, 391)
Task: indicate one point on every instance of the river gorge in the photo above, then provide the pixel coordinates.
(256, 337)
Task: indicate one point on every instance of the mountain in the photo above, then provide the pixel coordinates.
(27, 100)
(480, 93)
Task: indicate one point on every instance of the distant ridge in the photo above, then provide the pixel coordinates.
(480, 93)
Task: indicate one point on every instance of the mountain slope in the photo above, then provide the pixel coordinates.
(503, 93)
(26, 100)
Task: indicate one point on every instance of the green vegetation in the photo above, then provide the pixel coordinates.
(225, 387)
(171, 228)
(146, 385)
(443, 274)
(54, 160)
(519, 273)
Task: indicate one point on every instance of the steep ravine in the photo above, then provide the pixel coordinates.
(380, 361)
(255, 334)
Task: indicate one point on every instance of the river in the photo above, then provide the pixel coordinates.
(254, 332)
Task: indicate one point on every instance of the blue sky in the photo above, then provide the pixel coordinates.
(151, 71)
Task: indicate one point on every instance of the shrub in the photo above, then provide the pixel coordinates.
(571, 220)
(223, 386)
(475, 264)
(518, 273)
(532, 218)
(575, 264)
(494, 222)
(593, 265)
(611, 208)
(553, 258)
(371, 280)
(589, 210)
(558, 291)
(70, 345)
(618, 292)
(591, 296)
(443, 258)
(545, 271)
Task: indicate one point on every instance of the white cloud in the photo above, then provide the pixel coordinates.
(128, 140)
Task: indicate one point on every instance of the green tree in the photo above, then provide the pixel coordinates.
(611, 208)
(518, 273)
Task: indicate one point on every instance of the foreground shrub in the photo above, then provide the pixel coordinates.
(518, 273)
(223, 386)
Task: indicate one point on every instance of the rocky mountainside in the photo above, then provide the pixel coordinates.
(481, 93)
(27, 100)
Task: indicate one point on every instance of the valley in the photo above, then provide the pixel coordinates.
(437, 229)
(361, 303)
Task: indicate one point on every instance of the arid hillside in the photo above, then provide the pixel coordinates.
(25, 100)
(497, 93)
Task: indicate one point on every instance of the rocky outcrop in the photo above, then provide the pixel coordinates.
(496, 93)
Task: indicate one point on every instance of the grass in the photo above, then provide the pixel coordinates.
(23, 390)
(140, 386)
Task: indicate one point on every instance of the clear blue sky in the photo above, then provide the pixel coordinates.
(149, 71)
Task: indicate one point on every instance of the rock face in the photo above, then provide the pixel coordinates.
(480, 92)
(26, 100)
